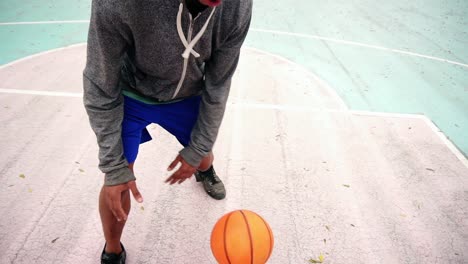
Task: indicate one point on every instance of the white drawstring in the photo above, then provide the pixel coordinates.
(189, 46)
(181, 33)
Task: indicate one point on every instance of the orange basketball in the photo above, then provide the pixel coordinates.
(241, 237)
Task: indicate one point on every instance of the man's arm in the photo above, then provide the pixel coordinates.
(219, 71)
(102, 97)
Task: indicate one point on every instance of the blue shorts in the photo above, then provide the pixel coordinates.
(177, 118)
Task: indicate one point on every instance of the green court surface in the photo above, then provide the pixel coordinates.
(382, 56)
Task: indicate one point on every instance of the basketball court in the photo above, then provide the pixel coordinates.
(346, 130)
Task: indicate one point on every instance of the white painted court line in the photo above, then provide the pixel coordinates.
(305, 108)
(306, 72)
(296, 108)
(46, 22)
(40, 54)
(447, 142)
(436, 130)
(457, 152)
(359, 44)
(43, 93)
(277, 32)
(384, 114)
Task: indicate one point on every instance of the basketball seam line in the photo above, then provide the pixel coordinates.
(270, 235)
(250, 237)
(224, 238)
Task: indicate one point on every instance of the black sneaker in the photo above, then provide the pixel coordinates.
(214, 187)
(112, 258)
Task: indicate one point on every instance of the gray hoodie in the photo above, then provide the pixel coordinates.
(151, 48)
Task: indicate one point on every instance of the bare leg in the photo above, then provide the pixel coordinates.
(113, 229)
(206, 162)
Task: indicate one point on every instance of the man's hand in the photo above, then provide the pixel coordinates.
(113, 196)
(184, 172)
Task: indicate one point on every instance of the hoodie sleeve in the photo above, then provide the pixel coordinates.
(102, 97)
(218, 74)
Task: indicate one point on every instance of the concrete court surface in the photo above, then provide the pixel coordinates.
(387, 56)
(355, 187)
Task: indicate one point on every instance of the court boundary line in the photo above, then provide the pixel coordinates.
(40, 54)
(307, 72)
(450, 145)
(455, 150)
(39, 92)
(435, 129)
(359, 44)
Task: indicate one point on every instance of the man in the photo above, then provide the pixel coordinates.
(168, 62)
